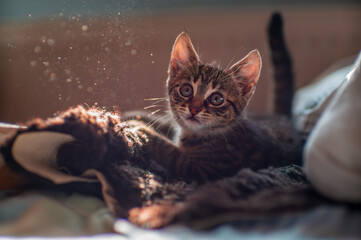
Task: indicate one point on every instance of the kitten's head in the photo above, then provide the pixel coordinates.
(203, 97)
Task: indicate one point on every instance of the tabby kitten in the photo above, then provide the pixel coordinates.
(215, 137)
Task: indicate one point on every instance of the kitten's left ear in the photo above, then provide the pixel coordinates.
(247, 71)
(183, 54)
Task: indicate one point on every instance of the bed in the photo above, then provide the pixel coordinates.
(294, 209)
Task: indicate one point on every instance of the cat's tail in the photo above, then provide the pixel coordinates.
(282, 63)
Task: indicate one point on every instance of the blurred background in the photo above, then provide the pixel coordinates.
(114, 53)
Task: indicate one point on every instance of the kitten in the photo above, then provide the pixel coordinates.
(215, 136)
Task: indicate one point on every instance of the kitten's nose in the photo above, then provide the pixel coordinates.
(194, 110)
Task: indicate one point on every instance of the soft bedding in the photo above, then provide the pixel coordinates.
(49, 214)
(111, 179)
(96, 153)
(142, 193)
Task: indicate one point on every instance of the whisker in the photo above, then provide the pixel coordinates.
(159, 101)
(225, 139)
(153, 99)
(239, 123)
(154, 112)
(230, 62)
(162, 123)
(152, 106)
(153, 122)
(225, 77)
(170, 125)
(187, 70)
(219, 64)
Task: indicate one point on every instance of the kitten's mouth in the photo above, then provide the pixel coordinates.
(192, 119)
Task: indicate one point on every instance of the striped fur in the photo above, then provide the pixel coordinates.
(282, 63)
(215, 137)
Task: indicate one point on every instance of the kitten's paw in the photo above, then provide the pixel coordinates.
(154, 216)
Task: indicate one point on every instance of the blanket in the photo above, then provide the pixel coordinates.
(104, 157)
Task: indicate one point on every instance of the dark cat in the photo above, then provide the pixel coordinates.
(212, 135)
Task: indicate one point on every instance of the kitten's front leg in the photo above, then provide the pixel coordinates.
(161, 124)
(178, 161)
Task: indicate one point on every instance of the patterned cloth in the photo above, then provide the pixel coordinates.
(106, 160)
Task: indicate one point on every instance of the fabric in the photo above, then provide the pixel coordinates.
(323, 222)
(74, 216)
(49, 213)
(310, 102)
(109, 151)
(265, 204)
(335, 143)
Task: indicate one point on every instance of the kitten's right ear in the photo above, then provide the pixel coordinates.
(183, 54)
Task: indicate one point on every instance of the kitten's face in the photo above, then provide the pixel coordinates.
(206, 99)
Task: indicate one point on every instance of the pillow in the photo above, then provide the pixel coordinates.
(332, 156)
(310, 101)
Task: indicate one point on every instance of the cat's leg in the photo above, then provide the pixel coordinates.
(162, 124)
(196, 164)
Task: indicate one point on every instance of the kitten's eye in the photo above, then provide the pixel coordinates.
(186, 90)
(216, 99)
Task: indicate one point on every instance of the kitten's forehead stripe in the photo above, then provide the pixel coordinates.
(196, 87)
(202, 76)
(203, 88)
(210, 90)
(214, 84)
(196, 78)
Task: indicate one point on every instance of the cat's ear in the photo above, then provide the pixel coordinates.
(247, 72)
(183, 53)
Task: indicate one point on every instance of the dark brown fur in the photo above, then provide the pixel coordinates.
(145, 194)
(217, 141)
(282, 65)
